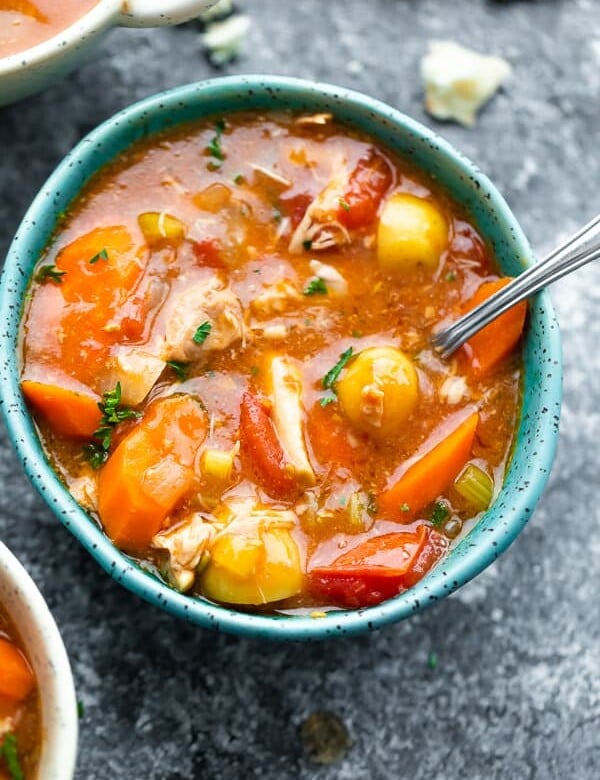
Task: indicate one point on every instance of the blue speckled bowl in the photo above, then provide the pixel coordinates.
(538, 426)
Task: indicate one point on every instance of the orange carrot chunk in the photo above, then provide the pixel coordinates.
(16, 678)
(494, 342)
(150, 471)
(72, 412)
(433, 469)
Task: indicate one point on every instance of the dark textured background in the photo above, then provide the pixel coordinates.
(516, 691)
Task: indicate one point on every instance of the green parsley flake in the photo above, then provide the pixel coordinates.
(333, 374)
(179, 368)
(239, 179)
(344, 204)
(49, 273)
(405, 508)
(112, 414)
(432, 660)
(80, 709)
(102, 255)
(9, 751)
(315, 287)
(213, 147)
(307, 244)
(254, 370)
(202, 332)
(451, 276)
(440, 513)
(326, 400)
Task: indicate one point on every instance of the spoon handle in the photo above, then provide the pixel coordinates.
(579, 249)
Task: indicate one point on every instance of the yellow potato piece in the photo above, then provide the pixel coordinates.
(379, 390)
(159, 227)
(253, 567)
(412, 234)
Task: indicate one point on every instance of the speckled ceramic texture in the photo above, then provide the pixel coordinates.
(538, 427)
(27, 609)
(34, 69)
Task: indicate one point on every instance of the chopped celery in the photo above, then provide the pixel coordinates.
(475, 486)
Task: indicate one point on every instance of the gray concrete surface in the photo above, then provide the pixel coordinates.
(516, 690)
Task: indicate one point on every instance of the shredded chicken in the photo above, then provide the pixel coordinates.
(314, 119)
(136, 370)
(319, 225)
(371, 406)
(288, 416)
(275, 298)
(204, 302)
(331, 276)
(272, 176)
(244, 516)
(185, 544)
(454, 389)
(84, 490)
(6, 726)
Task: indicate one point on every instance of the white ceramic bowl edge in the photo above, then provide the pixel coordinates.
(27, 609)
(29, 71)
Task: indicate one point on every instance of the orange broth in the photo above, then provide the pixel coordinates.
(20, 712)
(232, 220)
(25, 23)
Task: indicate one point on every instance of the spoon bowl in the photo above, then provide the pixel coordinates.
(580, 248)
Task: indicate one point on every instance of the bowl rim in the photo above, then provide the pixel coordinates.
(100, 16)
(57, 690)
(476, 557)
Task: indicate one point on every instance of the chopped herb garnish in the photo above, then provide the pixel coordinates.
(202, 332)
(451, 276)
(49, 273)
(179, 368)
(432, 660)
(112, 414)
(315, 287)
(102, 255)
(326, 400)
(80, 709)
(333, 374)
(254, 370)
(214, 145)
(277, 215)
(440, 513)
(239, 179)
(344, 204)
(404, 508)
(372, 507)
(342, 500)
(256, 271)
(8, 751)
(307, 244)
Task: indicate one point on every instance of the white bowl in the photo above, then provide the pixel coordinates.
(28, 71)
(27, 609)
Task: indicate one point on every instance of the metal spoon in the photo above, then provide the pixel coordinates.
(579, 249)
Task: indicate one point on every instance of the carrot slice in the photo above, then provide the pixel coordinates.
(328, 436)
(494, 342)
(16, 678)
(72, 412)
(433, 468)
(150, 471)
